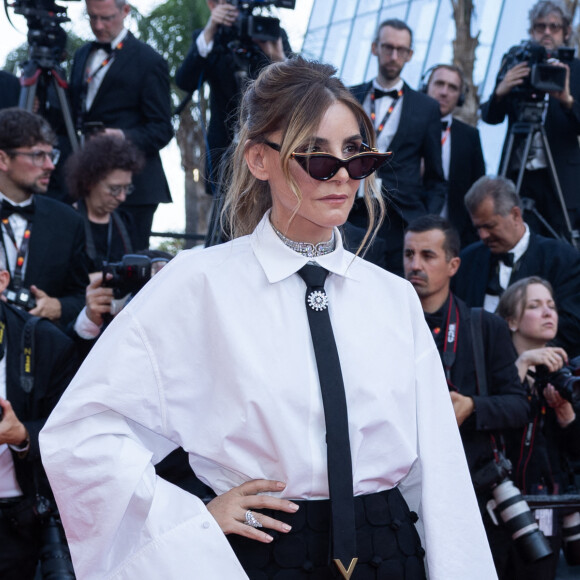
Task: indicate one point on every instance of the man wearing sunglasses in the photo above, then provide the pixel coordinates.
(42, 239)
(408, 124)
(550, 26)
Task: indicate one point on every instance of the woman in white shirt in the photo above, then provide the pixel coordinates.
(215, 355)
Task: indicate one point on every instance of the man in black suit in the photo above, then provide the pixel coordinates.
(461, 152)
(42, 239)
(431, 257)
(408, 124)
(9, 90)
(509, 251)
(550, 26)
(211, 60)
(24, 412)
(122, 83)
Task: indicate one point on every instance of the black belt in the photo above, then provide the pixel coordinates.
(10, 502)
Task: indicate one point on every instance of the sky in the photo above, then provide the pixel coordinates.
(169, 217)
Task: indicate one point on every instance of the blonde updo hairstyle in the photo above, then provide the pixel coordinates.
(291, 97)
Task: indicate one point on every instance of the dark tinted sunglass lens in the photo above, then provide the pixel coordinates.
(321, 167)
(361, 167)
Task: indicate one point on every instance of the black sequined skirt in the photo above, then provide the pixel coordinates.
(388, 546)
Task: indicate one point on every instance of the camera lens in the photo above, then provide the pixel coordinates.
(519, 520)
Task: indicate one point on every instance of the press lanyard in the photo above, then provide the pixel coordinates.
(109, 58)
(20, 251)
(387, 114)
(445, 135)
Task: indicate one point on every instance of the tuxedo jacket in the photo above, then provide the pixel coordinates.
(55, 364)
(9, 90)
(555, 261)
(505, 406)
(56, 259)
(418, 137)
(135, 97)
(466, 166)
(562, 130)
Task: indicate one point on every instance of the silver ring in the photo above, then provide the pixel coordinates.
(251, 520)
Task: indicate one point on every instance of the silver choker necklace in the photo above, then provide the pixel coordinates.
(306, 248)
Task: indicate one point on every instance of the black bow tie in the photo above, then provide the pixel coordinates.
(380, 94)
(507, 258)
(106, 46)
(26, 211)
(444, 125)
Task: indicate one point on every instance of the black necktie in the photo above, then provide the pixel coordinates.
(26, 211)
(106, 46)
(444, 125)
(343, 530)
(380, 94)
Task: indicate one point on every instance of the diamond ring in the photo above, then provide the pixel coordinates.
(251, 520)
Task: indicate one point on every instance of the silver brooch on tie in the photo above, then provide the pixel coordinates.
(318, 300)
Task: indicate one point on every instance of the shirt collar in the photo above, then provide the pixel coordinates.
(448, 119)
(119, 38)
(396, 87)
(21, 204)
(280, 262)
(520, 248)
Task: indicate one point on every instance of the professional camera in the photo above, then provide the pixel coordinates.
(127, 276)
(55, 560)
(512, 509)
(566, 381)
(46, 38)
(251, 26)
(517, 517)
(21, 298)
(543, 76)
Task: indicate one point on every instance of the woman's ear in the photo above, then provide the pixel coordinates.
(257, 162)
(512, 324)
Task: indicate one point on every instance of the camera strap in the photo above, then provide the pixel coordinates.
(21, 252)
(478, 352)
(115, 221)
(451, 333)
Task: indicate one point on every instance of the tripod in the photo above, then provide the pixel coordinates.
(38, 74)
(529, 123)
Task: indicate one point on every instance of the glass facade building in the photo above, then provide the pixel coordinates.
(341, 32)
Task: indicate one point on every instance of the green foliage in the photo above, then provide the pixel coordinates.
(169, 26)
(171, 245)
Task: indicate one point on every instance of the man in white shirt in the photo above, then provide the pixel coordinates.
(122, 84)
(408, 124)
(462, 156)
(509, 251)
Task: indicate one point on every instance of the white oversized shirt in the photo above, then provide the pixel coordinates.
(215, 355)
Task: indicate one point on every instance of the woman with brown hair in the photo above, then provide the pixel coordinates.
(301, 380)
(540, 452)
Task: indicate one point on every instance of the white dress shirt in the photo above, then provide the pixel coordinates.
(490, 301)
(96, 58)
(215, 355)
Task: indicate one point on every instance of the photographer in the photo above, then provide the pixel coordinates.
(99, 176)
(538, 452)
(212, 59)
(550, 27)
(488, 403)
(23, 484)
(43, 240)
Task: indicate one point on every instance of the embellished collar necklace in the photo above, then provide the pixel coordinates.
(306, 248)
